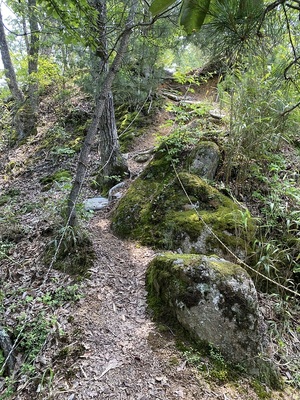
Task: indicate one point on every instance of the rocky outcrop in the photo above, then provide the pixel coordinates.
(158, 212)
(215, 301)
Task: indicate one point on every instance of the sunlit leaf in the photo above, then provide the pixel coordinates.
(192, 14)
(158, 6)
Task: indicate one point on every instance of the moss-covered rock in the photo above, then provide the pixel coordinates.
(158, 212)
(216, 302)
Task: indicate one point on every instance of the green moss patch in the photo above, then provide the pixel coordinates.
(157, 212)
(59, 176)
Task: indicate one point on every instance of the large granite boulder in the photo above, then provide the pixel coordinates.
(199, 219)
(215, 301)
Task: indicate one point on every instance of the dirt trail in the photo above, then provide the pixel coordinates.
(119, 361)
(125, 355)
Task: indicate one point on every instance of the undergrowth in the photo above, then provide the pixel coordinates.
(70, 251)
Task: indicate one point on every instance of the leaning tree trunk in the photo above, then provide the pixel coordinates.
(11, 78)
(101, 100)
(8, 66)
(113, 166)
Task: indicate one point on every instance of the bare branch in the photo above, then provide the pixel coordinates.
(290, 109)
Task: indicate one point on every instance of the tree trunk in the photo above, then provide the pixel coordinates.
(11, 80)
(25, 34)
(31, 107)
(101, 99)
(8, 66)
(113, 166)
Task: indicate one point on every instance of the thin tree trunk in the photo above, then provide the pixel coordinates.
(113, 166)
(11, 79)
(25, 34)
(8, 66)
(31, 109)
(101, 100)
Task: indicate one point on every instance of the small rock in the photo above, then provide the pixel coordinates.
(96, 203)
(205, 159)
(142, 158)
(216, 114)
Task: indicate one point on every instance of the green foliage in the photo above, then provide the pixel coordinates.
(48, 72)
(208, 360)
(78, 20)
(193, 13)
(59, 177)
(159, 6)
(278, 243)
(182, 139)
(5, 248)
(65, 141)
(174, 144)
(62, 295)
(186, 112)
(260, 390)
(257, 100)
(10, 388)
(232, 25)
(32, 335)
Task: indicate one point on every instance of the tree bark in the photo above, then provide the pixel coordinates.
(113, 166)
(8, 66)
(101, 99)
(31, 107)
(11, 79)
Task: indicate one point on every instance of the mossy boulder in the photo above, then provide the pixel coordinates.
(215, 301)
(158, 212)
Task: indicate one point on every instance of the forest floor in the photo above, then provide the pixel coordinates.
(105, 344)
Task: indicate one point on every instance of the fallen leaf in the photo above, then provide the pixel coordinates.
(110, 365)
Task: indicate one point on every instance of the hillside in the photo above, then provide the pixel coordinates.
(93, 337)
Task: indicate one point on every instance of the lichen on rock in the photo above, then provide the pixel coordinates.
(205, 159)
(215, 301)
